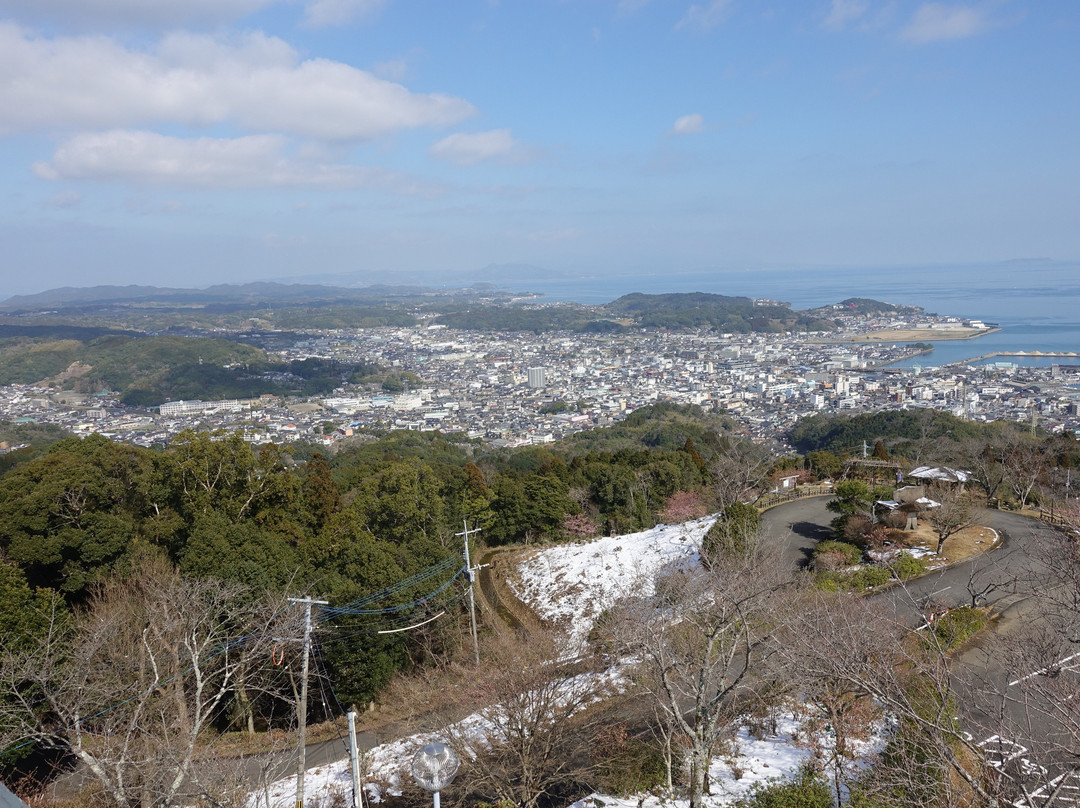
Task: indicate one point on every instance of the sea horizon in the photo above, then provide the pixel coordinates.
(1034, 303)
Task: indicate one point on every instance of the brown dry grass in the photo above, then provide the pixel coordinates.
(960, 546)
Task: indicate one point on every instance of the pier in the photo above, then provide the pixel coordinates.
(1032, 354)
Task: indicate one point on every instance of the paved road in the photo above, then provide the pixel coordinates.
(800, 525)
(984, 676)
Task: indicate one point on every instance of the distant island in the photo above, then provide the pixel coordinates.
(482, 307)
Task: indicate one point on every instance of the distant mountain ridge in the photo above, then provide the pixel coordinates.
(255, 292)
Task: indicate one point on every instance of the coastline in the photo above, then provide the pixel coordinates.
(909, 335)
(922, 335)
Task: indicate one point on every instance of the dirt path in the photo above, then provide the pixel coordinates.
(498, 595)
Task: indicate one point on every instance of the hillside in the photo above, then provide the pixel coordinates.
(479, 308)
(701, 310)
(149, 370)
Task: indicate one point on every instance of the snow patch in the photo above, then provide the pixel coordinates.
(569, 585)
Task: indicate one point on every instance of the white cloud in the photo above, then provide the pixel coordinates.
(934, 21)
(392, 69)
(257, 82)
(256, 161)
(844, 12)
(469, 149)
(688, 125)
(705, 17)
(321, 13)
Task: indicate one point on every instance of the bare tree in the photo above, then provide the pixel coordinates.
(989, 574)
(985, 461)
(703, 644)
(952, 513)
(531, 740)
(1025, 465)
(1023, 687)
(861, 650)
(739, 472)
(845, 710)
(129, 687)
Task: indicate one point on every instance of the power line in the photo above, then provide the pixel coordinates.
(356, 607)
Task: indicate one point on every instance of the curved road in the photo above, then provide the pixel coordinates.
(800, 525)
(984, 689)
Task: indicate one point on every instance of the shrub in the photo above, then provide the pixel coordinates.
(897, 520)
(682, 506)
(854, 528)
(957, 625)
(869, 577)
(626, 766)
(601, 636)
(907, 566)
(850, 554)
(580, 526)
(806, 790)
(734, 533)
(832, 582)
(875, 537)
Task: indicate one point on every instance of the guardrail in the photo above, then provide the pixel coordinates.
(1057, 519)
(802, 492)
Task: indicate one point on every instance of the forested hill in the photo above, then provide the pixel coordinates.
(701, 310)
(91, 510)
(905, 432)
(671, 311)
(866, 306)
(279, 306)
(148, 370)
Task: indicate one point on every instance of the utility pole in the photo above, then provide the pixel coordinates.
(354, 761)
(301, 708)
(469, 570)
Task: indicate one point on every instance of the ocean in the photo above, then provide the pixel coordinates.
(1034, 302)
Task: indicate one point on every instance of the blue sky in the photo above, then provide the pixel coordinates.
(191, 142)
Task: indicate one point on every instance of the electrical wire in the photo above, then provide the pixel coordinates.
(362, 605)
(357, 607)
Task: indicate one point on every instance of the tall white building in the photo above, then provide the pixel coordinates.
(537, 377)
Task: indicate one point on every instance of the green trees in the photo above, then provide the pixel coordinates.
(92, 513)
(24, 612)
(73, 514)
(823, 463)
(735, 533)
(528, 506)
(852, 497)
(806, 790)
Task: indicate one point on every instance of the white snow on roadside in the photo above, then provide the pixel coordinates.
(571, 584)
(384, 767)
(751, 759)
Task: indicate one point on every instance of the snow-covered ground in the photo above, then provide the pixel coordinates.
(754, 760)
(570, 585)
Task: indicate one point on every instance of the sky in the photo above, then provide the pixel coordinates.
(193, 142)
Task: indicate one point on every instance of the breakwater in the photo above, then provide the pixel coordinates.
(1026, 354)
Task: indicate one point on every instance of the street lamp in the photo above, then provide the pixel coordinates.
(433, 767)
